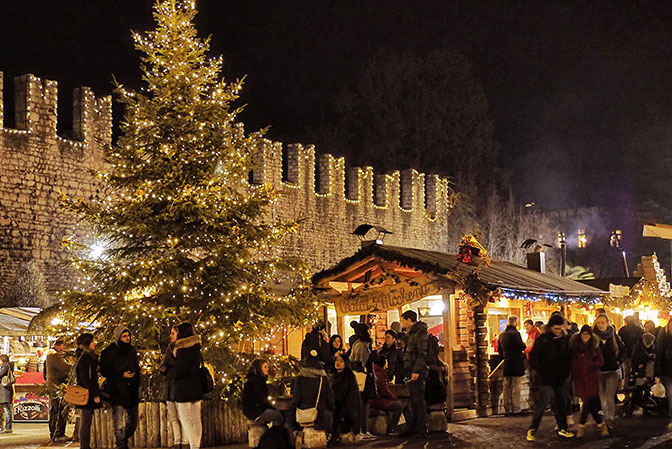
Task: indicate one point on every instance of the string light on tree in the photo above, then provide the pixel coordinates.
(185, 236)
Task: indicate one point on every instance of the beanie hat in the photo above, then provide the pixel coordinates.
(393, 333)
(586, 328)
(556, 320)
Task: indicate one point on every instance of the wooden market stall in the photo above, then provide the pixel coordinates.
(461, 302)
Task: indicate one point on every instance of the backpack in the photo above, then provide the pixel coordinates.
(432, 350)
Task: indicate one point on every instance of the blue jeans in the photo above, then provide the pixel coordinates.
(124, 431)
(7, 409)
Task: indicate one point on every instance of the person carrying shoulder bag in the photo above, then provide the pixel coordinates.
(87, 377)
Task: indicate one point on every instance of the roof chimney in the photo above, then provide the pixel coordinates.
(537, 261)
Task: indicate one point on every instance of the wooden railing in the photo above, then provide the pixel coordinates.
(223, 423)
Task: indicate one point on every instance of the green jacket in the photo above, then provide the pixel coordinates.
(415, 356)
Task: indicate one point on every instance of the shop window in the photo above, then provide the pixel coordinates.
(582, 240)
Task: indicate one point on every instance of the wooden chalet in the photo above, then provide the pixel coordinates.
(379, 282)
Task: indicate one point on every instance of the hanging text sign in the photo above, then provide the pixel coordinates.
(387, 297)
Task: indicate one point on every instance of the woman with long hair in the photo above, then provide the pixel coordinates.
(335, 346)
(613, 352)
(188, 387)
(256, 405)
(87, 377)
(347, 410)
(167, 369)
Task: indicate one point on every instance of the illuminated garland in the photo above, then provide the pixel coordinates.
(553, 298)
(177, 233)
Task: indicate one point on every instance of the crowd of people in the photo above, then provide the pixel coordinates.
(344, 381)
(118, 364)
(590, 365)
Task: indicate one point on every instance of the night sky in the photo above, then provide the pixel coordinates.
(580, 93)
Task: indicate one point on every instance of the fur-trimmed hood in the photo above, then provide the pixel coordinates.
(575, 340)
(187, 342)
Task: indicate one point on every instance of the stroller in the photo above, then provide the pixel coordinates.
(640, 381)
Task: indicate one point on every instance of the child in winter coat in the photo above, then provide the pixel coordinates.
(586, 363)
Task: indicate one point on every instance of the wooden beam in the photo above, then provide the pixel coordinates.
(448, 332)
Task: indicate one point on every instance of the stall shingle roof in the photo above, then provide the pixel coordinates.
(501, 274)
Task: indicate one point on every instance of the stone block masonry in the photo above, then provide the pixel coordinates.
(329, 199)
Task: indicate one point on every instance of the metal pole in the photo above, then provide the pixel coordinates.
(563, 259)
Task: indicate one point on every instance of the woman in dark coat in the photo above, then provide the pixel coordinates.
(385, 399)
(188, 387)
(586, 363)
(347, 411)
(256, 405)
(168, 394)
(6, 393)
(87, 377)
(307, 388)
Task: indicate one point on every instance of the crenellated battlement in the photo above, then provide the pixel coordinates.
(408, 190)
(328, 198)
(36, 112)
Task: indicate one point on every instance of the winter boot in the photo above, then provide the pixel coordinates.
(579, 430)
(604, 430)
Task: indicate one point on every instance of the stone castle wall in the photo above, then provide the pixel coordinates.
(331, 201)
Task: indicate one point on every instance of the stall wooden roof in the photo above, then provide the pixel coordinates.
(410, 262)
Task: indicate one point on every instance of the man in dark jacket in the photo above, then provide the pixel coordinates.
(394, 356)
(631, 334)
(550, 357)
(119, 365)
(56, 371)
(512, 347)
(416, 369)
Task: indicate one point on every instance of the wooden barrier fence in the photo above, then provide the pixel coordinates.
(223, 423)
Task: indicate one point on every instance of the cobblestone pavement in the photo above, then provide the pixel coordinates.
(484, 433)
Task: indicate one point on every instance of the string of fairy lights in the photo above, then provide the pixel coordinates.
(177, 234)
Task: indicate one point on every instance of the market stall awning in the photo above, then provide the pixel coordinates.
(511, 278)
(662, 231)
(14, 321)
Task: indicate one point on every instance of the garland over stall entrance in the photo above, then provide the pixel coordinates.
(452, 296)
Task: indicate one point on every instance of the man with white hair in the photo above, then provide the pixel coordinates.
(512, 347)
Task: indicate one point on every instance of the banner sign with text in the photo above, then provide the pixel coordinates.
(387, 297)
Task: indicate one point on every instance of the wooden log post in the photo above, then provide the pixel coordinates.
(482, 384)
(165, 425)
(154, 425)
(141, 431)
(448, 336)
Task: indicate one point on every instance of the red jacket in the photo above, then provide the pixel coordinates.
(530, 340)
(386, 398)
(586, 362)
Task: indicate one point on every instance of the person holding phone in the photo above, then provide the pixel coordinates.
(119, 365)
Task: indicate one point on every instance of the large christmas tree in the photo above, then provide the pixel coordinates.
(180, 234)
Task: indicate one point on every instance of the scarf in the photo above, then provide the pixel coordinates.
(606, 335)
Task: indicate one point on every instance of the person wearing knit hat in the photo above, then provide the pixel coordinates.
(119, 365)
(550, 357)
(586, 363)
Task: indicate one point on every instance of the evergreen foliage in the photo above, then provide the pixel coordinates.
(179, 234)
